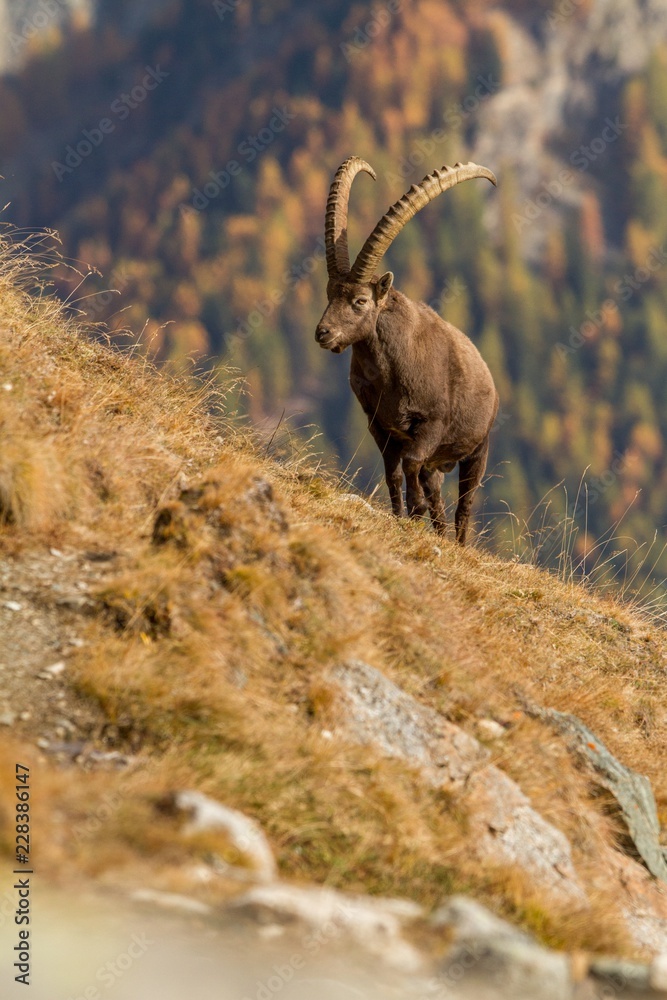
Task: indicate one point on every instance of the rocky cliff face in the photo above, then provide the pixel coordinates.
(556, 119)
(22, 24)
(28, 22)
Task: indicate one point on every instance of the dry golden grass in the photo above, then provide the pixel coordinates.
(241, 582)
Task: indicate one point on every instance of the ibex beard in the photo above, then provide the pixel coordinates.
(428, 394)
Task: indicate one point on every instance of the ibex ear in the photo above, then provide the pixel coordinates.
(383, 285)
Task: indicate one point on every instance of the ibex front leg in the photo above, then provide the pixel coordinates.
(426, 437)
(432, 480)
(414, 493)
(391, 454)
(394, 477)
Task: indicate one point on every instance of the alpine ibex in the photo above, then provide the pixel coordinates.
(428, 395)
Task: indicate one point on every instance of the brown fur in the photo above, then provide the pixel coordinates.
(428, 394)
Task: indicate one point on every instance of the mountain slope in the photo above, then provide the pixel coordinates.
(559, 277)
(191, 607)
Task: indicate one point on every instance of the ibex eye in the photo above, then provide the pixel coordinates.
(360, 302)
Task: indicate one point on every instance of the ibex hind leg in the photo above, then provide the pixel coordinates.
(471, 472)
(432, 480)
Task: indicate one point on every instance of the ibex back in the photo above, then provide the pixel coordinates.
(428, 394)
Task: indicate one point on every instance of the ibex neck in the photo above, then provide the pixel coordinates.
(384, 350)
(395, 322)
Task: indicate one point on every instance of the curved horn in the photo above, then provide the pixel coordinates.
(335, 225)
(395, 218)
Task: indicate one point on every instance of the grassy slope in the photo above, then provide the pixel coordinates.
(208, 648)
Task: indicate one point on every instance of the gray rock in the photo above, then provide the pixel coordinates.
(113, 758)
(623, 980)
(620, 36)
(632, 791)
(55, 669)
(555, 88)
(469, 919)
(50, 673)
(398, 725)
(67, 749)
(491, 959)
(171, 901)
(489, 729)
(356, 499)
(244, 834)
(506, 968)
(67, 725)
(504, 826)
(372, 922)
(658, 975)
(74, 602)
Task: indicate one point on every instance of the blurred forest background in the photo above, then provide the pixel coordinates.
(184, 150)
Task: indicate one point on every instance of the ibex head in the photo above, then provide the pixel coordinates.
(352, 311)
(356, 296)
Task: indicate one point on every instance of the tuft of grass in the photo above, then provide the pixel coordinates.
(614, 564)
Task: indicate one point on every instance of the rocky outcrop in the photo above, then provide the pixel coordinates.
(549, 123)
(505, 829)
(485, 958)
(632, 791)
(373, 923)
(481, 957)
(503, 826)
(166, 948)
(634, 868)
(245, 837)
(21, 23)
(491, 959)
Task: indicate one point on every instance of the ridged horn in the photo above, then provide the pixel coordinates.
(403, 210)
(335, 225)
